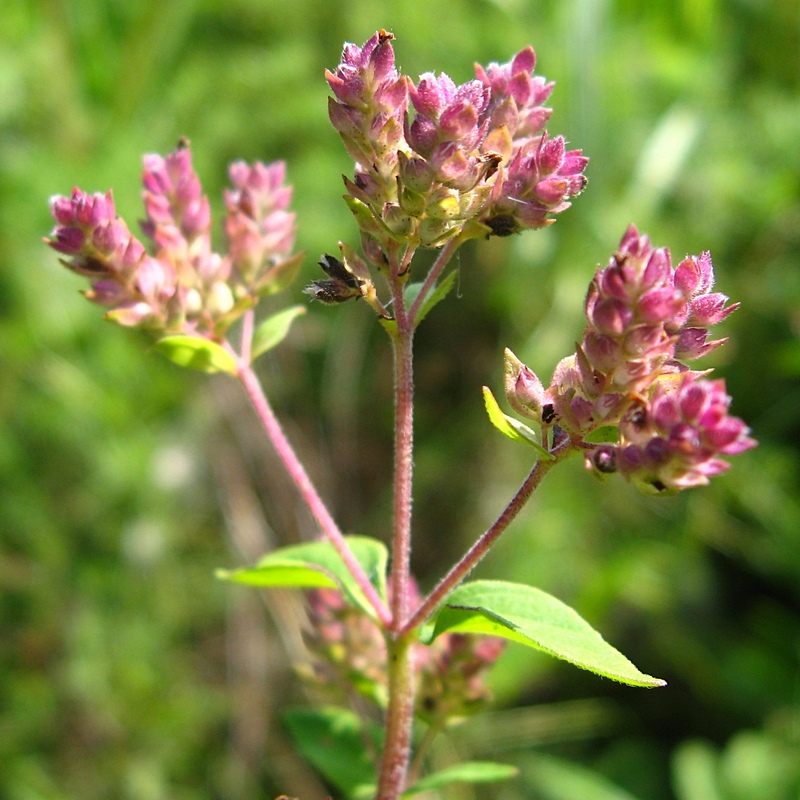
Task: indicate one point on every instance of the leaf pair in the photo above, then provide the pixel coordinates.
(513, 611)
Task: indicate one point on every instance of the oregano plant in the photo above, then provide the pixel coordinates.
(436, 165)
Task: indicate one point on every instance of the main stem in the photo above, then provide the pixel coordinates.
(400, 711)
(403, 466)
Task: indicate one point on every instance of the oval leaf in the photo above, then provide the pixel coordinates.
(313, 565)
(468, 772)
(508, 426)
(272, 331)
(534, 618)
(198, 353)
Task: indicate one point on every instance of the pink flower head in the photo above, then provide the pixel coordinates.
(695, 277)
(259, 227)
(642, 316)
(182, 286)
(102, 249)
(676, 439)
(363, 69)
(370, 103)
(178, 214)
(448, 130)
(537, 184)
(447, 113)
(516, 95)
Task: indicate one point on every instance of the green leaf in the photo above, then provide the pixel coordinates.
(198, 353)
(468, 772)
(272, 331)
(437, 295)
(511, 427)
(314, 565)
(534, 618)
(333, 741)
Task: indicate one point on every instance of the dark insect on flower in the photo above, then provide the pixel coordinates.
(502, 225)
(334, 268)
(342, 285)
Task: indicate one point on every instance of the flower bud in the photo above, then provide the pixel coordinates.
(524, 390)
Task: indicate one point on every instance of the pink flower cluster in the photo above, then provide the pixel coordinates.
(434, 156)
(674, 441)
(182, 285)
(644, 318)
(349, 653)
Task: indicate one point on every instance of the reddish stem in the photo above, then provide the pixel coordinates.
(474, 555)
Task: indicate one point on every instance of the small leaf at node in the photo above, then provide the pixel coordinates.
(197, 353)
(272, 331)
(438, 294)
(508, 426)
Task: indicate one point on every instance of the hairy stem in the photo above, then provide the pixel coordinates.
(399, 719)
(402, 341)
(307, 491)
(474, 555)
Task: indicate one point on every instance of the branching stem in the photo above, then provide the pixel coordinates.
(474, 555)
(306, 488)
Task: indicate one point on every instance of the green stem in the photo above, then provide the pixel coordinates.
(399, 719)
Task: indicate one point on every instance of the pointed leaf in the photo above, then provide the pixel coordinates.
(534, 618)
(437, 295)
(333, 741)
(314, 565)
(468, 772)
(513, 428)
(198, 353)
(272, 331)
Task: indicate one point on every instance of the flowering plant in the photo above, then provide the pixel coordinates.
(436, 165)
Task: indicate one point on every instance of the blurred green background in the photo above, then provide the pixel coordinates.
(126, 671)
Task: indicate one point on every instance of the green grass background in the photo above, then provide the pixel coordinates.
(126, 671)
